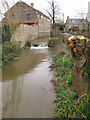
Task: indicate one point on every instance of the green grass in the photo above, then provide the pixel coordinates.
(37, 38)
(68, 105)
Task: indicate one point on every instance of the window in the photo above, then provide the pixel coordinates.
(28, 16)
(40, 16)
(20, 7)
(73, 21)
(13, 16)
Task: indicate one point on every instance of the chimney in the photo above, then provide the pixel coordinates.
(32, 5)
(68, 19)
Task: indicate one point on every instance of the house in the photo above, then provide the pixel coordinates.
(25, 14)
(75, 24)
(88, 15)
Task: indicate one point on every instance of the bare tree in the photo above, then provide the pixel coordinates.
(54, 10)
(81, 14)
(5, 5)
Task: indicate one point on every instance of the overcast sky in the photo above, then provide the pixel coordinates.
(68, 7)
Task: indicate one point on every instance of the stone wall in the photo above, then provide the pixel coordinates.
(44, 26)
(24, 33)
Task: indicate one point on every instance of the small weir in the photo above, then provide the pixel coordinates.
(39, 46)
(27, 88)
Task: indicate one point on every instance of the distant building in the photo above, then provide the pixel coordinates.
(59, 21)
(25, 14)
(88, 15)
(75, 24)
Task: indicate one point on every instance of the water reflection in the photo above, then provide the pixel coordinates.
(27, 61)
(11, 97)
(27, 90)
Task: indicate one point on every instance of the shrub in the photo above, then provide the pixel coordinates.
(28, 43)
(9, 52)
(6, 35)
(59, 26)
(52, 42)
(8, 30)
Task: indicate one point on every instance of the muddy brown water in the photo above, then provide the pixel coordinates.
(27, 91)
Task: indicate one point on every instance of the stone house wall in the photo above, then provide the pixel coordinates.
(44, 26)
(20, 11)
(71, 26)
(70, 23)
(27, 31)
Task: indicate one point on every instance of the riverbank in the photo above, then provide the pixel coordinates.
(9, 52)
(68, 104)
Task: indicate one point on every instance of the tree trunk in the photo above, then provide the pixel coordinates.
(78, 84)
(78, 47)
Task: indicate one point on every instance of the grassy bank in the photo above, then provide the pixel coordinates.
(38, 38)
(68, 105)
(9, 53)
